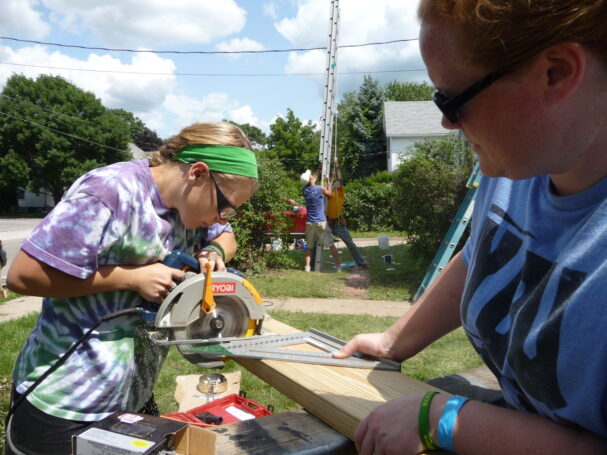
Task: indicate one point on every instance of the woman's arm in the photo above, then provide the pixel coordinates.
(480, 429)
(435, 314)
(27, 275)
(227, 241)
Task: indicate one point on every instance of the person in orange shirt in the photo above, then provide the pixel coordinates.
(336, 220)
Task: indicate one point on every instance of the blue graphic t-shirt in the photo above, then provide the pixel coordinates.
(111, 215)
(315, 203)
(533, 304)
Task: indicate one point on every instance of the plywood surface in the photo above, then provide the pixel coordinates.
(339, 396)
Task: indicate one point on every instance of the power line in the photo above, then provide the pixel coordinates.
(60, 132)
(144, 73)
(149, 51)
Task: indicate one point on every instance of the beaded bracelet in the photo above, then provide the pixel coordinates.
(424, 424)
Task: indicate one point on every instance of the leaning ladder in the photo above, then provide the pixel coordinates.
(454, 234)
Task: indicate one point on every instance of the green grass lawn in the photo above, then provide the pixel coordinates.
(451, 354)
(397, 281)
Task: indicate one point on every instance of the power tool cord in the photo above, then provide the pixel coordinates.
(65, 356)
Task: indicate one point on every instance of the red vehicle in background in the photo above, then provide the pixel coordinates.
(298, 214)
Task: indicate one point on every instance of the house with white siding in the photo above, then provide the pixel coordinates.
(407, 122)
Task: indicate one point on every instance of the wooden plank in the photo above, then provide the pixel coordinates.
(339, 396)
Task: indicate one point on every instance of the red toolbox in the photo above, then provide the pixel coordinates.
(229, 409)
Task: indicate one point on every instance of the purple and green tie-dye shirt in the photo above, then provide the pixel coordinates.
(111, 215)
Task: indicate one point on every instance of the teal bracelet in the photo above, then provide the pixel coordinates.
(424, 424)
(446, 422)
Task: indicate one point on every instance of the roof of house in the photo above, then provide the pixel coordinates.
(412, 118)
(136, 152)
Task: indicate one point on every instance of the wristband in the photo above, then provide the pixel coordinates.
(424, 426)
(220, 248)
(446, 422)
(214, 249)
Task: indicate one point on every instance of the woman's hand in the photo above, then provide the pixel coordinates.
(377, 344)
(391, 428)
(153, 282)
(214, 258)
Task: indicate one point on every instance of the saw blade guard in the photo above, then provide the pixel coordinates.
(238, 311)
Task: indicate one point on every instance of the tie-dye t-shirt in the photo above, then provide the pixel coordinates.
(111, 215)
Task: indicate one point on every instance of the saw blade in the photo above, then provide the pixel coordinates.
(230, 318)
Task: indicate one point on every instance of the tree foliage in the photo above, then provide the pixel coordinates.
(143, 137)
(362, 141)
(263, 213)
(429, 188)
(369, 203)
(31, 146)
(256, 136)
(147, 140)
(294, 144)
(408, 91)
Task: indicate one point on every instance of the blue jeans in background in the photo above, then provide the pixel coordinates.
(341, 231)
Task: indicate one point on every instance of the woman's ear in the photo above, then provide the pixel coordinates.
(197, 172)
(565, 66)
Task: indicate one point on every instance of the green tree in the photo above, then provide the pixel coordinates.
(429, 188)
(368, 203)
(294, 144)
(362, 146)
(143, 137)
(408, 91)
(256, 136)
(263, 213)
(36, 111)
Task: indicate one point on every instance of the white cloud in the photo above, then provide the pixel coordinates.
(137, 93)
(361, 22)
(20, 19)
(151, 23)
(213, 107)
(239, 44)
(271, 10)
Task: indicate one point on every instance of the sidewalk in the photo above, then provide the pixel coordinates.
(22, 306)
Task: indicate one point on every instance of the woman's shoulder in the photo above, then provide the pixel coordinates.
(114, 183)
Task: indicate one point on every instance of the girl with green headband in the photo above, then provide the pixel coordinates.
(100, 251)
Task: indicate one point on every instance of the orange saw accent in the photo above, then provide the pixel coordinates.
(208, 302)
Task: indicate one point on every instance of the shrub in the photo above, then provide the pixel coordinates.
(263, 213)
(368, 204)
(429, 188)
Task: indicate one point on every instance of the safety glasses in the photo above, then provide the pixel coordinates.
(225, 209)
(450, 106)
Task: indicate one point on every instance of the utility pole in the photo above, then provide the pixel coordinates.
(326, 134)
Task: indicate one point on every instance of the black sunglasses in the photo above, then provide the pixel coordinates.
(450, 106)
(225, 209)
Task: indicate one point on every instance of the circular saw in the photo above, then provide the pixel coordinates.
(209, 306)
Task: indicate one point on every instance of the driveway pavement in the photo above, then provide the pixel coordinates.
(12, 233)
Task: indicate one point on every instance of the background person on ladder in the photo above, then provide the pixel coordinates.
(316, 224)
(335, 219)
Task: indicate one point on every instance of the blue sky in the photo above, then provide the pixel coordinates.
(168, 99)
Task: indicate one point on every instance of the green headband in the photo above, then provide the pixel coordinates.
(220, 158)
